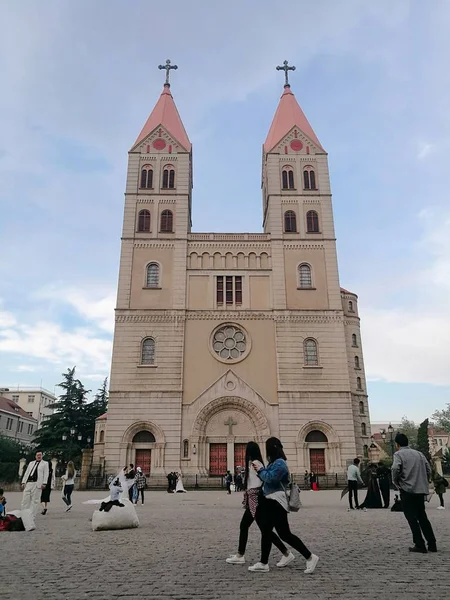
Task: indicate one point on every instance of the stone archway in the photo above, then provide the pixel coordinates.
(144, 442)
(317, 441)
(225, 425)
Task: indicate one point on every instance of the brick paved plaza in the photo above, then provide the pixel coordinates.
(180, 548)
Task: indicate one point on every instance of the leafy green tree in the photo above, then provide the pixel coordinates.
(11, 451)
(423, 443)
(70, 416)
(442, 418)
(410, 429)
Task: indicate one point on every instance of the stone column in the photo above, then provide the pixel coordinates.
(86, 462)
(230, 454)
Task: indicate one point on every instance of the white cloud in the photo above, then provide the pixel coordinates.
(412, 345)
(425, 149)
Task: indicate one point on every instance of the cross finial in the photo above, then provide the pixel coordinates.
(167, 68)
(285, 68)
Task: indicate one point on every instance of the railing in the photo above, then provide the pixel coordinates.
(224, 237)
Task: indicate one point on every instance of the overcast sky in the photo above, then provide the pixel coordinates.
(78, 81)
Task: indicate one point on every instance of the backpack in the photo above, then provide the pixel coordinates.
(293, 497)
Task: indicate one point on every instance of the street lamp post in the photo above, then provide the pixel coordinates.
(391, 438)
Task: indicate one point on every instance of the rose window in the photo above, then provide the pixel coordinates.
(229, 342)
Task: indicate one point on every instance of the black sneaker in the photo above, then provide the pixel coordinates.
(417, 549)
(432, 548)
(44, 511)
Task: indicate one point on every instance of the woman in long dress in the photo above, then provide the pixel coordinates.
(373, 496)
(45, 494)
(180, 487)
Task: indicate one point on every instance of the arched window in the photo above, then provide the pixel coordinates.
(147, 177)
(357, 362)
(309, 178)
(168, 181)
(350, 306)
(304, 276)
(287, 178)
(310, 351)
(153, 275)
(316, 436)
(144, 437)
(167, 221)
(312, 222)
(290, 222)
(363, 429)
(358, 383)
(185, 449)
(144, 220)
(366, 451)
(148, 352)
(354, 340)
(102, 436)
(361, 408)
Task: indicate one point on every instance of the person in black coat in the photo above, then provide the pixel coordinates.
(384, 479)
(131, 475)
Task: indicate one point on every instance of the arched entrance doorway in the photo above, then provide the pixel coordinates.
(316, 441)
(318, 448)
(221, 432)
(143, 445)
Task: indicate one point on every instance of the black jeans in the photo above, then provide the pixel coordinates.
(246, 522)
(414, 509)
(228, 487)
(441, 499)
(68, 489)
(272, 515)
(130, 493)
(353, 492)
(141, 491)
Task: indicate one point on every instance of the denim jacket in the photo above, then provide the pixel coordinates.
(273, 476)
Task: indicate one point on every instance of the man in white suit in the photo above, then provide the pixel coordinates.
(33, 482)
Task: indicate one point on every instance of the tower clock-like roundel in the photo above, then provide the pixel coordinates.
(230, 343)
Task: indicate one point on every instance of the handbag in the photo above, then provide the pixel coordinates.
(293, 497)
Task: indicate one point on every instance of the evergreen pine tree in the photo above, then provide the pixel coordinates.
(423, 444)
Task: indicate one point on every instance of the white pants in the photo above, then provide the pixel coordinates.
(31, 498)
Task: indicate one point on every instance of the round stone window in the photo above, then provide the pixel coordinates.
(230, 343)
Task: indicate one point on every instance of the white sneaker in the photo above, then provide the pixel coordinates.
(259, 567)
(236, 560)
(285, 560)
(311, 563)
(441, 507)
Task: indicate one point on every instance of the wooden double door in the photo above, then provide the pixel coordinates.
(317, 461)
(218, 458)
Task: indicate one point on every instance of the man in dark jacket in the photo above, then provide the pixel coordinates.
(410, 474)
(131, 475)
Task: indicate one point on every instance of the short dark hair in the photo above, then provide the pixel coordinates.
(356, 461)
(401, 439)
(1, 491)
(131, 465)
(274, 449)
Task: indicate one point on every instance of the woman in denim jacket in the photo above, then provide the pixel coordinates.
(274, 507)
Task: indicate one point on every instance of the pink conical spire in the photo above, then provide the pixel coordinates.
(288, 115)
(165, 114)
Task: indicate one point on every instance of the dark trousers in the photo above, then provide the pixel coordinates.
(414, 509)
(229, 487)
(246, 522)
(130, 493)
(106, 506)
(68, 489)
(441, 499)
(141, 491)
(272, 515)
(353, 493)
(385, 493)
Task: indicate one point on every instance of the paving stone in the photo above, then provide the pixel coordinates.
(180, 548)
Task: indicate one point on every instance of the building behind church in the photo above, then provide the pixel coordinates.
(222, 338)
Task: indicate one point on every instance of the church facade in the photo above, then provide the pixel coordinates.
(225, 338)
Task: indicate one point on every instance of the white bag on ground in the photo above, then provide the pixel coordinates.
(27, 518)
(119, 517)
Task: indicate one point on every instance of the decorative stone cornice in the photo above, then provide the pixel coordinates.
(212, 246)
(154, 245)
(291, 246)
(226, 237)
(167, 200)
(145, 201)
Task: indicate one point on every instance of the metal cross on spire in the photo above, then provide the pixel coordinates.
(167, 68)
(285, 68)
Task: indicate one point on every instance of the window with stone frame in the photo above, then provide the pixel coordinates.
(350, 306)
(309, 178)
(152, 279)
(290, 222)
(186, 449)
(229, 290)
(304, 276)
(312, 222)
(358, 383)
(311, 357)
(146, 177)
(148, 352)
(361, 408)
(166, 221)
(144, 221)
(363, 429)
(354, 340)
(168, 181)
(287, 178)
(357, 364)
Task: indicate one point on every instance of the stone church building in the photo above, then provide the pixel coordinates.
(222, 338)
